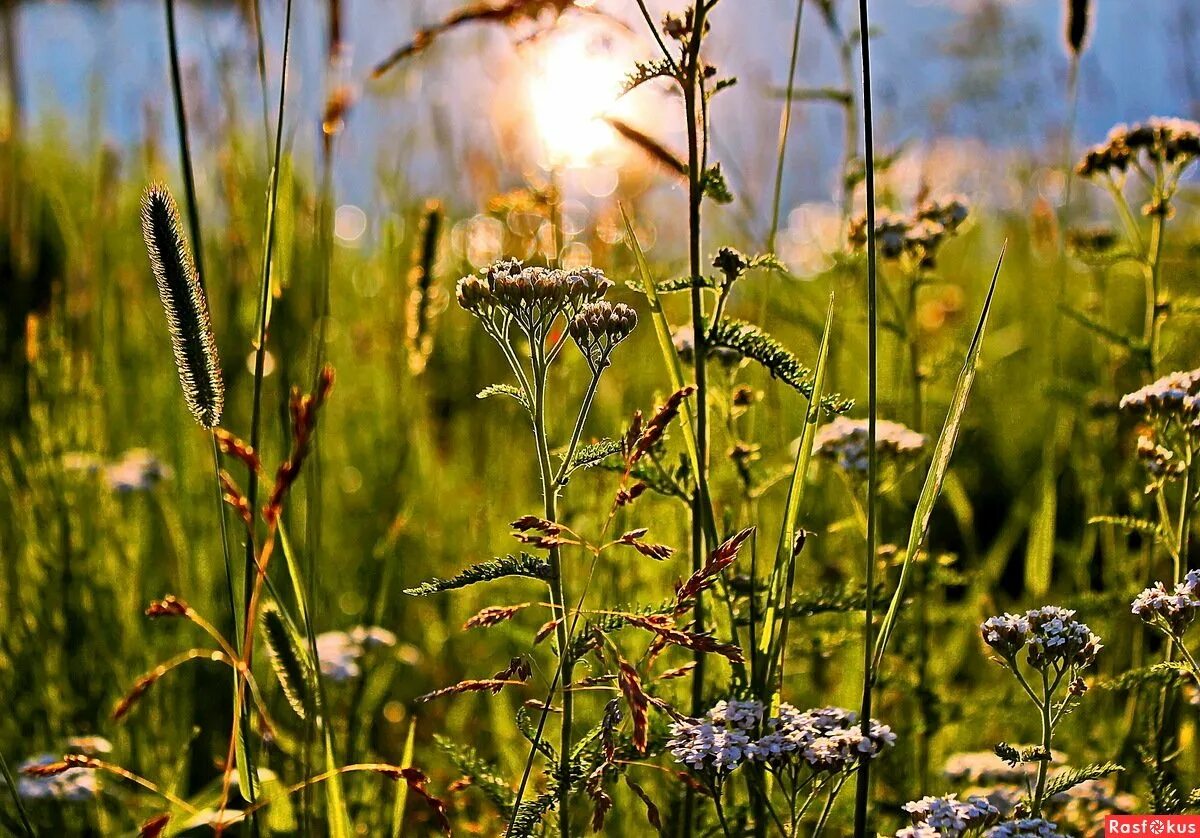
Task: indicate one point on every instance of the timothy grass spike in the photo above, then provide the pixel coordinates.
(186, 306)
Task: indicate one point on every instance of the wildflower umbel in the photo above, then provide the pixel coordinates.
(1052, 635)
(186, 307)
(1025, 828)
(1173, 397)
(1172, 611)
(532, 297)
(1159, 141)
(949, 817)
(599, 327)
(915, 237)
(822, 741)
(844, 441)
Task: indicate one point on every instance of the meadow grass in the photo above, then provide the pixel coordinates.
(561, 692)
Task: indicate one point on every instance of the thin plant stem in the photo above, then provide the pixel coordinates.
(692, 93)
(863, 779)
(820, 827)
(1047, 734)
(16, 798)
(557, 590)
(233, 609)
(185, 148)
(785, 122)
(1153, 330)
(251, 568)
(701, 503)
(264, 302)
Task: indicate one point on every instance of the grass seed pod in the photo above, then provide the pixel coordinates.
(186, 306)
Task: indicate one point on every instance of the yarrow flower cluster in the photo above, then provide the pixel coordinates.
(918, 235)
(339, 652)
(1173, 611)
(948, 817)
(1162, 140)
(1174, 396)
(1052, 635)
(844, 441)
(534, 298)
(826, 740)
(599, 327)
(1025, 828)
(137, 470)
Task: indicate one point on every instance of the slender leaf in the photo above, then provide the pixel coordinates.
(779, 590)
(402, 791)
(942, 453)
(674, 366)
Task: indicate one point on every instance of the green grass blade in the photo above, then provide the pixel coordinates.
(942, 453)
(402, 791)
(12, 790)
(783, 570)
(674, 366)
(335, 794)
(335, 791)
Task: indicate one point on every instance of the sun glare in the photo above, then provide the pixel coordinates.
(576, 80)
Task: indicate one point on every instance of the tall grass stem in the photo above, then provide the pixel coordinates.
(863, 780)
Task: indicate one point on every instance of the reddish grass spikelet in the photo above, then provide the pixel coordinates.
(168, 606)
(493, 615)
(546, 630)
(50, 769)
(635, 696)
(656, 428)
(624, 496)
(232, 494)
(651, 147)
(418, 782)
(509, 12)
(528, 523)
(154, 826)
(602, 801)
(131, 698)
(652, 813)
(477, 685)
(633, 538)
(663, 627)
(303, 409)
(677, 672)
(234, 446)
(718, 561)
(608, 729)
(518, 669)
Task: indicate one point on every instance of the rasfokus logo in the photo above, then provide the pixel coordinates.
(1152, 825)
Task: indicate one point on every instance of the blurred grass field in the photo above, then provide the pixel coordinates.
(415, 477)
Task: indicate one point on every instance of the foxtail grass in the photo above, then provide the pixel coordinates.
(186, 306)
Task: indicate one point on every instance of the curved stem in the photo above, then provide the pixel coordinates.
(584, 409)
(1047, 734)
(785, 122)
(820, 827)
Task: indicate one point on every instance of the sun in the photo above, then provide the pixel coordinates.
(575, 80)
